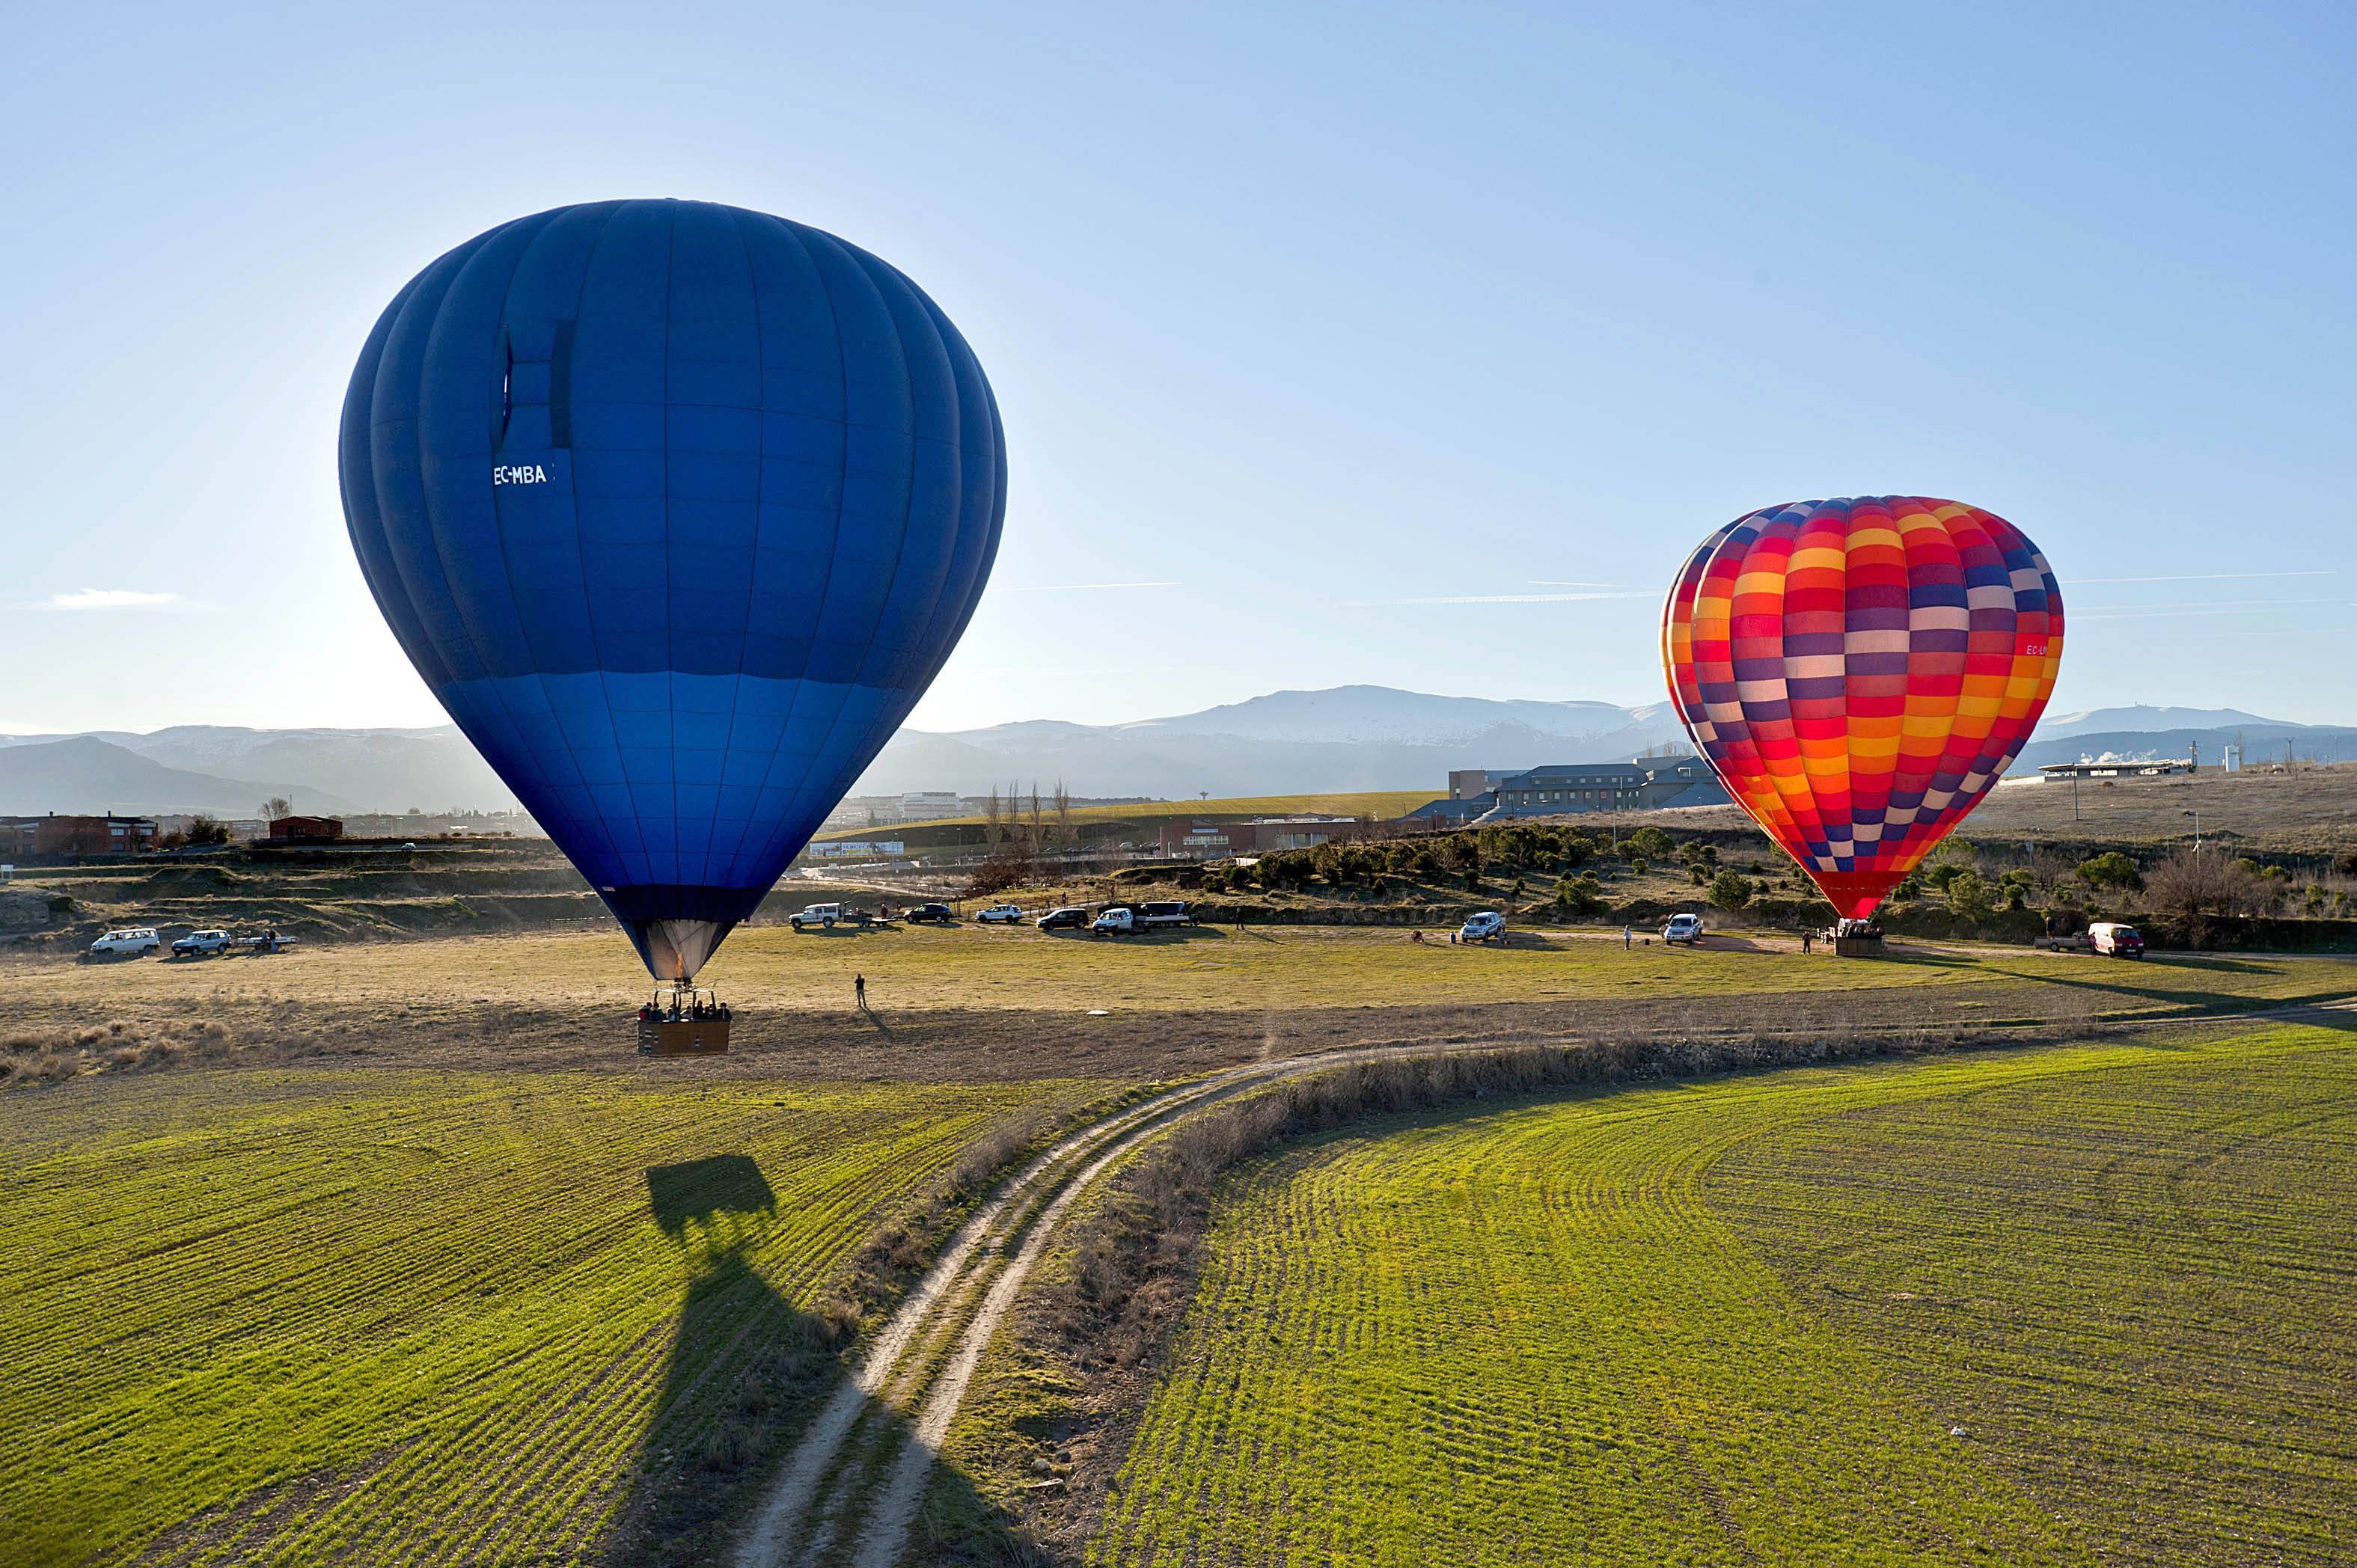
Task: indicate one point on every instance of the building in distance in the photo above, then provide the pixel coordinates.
(52, 834)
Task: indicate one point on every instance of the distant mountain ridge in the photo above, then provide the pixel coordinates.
(1343, 739)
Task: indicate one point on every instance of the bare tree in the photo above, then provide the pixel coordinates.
(276, 807)
(2049, 872)
(2195, 887)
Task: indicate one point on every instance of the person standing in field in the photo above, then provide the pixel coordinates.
(859, 990)
(1628, 937)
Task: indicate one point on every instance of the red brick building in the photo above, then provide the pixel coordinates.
(306, 830)
(54, 835)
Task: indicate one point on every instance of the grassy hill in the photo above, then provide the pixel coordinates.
(2311, 809)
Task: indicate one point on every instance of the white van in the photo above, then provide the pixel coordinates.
(2113, 939)
(131, 942)
(1686, 929)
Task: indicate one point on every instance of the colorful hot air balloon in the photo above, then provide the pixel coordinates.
(678, 509)
(1860, 673)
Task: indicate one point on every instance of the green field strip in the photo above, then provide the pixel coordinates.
(1540, 1335)
(2179, 1373)
(225, 1297)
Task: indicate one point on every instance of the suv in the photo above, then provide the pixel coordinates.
(200, 944)
(820, 915)
(133, 942)
(1686, 929)
(1001, 914)
(1070, 918)
(936, 914)
(1118, 921)
(1489, 925)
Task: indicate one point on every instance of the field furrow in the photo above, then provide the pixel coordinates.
(2054, 1307)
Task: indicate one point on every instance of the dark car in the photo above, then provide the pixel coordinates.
(1068, 918)
(923, 914)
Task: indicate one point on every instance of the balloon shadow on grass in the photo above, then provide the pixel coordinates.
(747, 1371)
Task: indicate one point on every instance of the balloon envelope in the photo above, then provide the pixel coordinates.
(678, 509)
(1860, 671)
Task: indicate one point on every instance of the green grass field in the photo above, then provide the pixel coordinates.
(1379, 803)
(330, 1317)
(2069, 1306)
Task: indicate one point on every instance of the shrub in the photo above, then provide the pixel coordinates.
(1651, 843)
(1579, 896)
(1970, 897)
(1730, 890)
(2110, 869)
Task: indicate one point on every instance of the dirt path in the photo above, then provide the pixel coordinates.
(861, 1468)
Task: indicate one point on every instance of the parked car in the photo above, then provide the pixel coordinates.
(1070, 918)
(1001, 914)
(1489, 925)
(929, 914)
(1164, 916)
(1117, 922)
(131, 942)
(823, 915)
(2115, 940)
(1686, 929)
(201, 944)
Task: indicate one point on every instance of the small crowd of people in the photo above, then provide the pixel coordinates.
(697, 1012)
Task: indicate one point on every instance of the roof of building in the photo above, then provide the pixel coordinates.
(1556, 773)
(1452, 808)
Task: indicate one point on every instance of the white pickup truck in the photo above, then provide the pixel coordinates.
(825, 915)
(1125, 919)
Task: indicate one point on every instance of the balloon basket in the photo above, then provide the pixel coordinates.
(683, 1021)
(1858, 940)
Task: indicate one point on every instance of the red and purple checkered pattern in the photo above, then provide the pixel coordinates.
(1860, 671)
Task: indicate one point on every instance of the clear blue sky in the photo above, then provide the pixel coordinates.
(1311, 316)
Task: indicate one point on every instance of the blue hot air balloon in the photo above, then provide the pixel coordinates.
(678, 509)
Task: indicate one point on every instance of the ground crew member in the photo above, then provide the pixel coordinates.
(859, 990)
